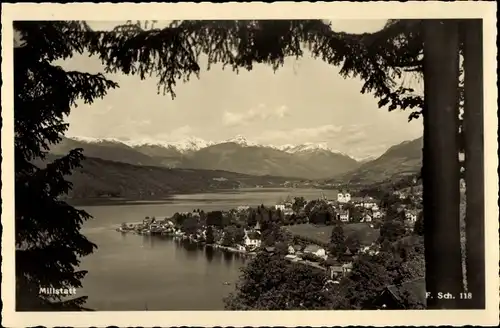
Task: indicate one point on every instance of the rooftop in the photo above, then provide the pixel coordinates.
(414, 288)
(312, 248)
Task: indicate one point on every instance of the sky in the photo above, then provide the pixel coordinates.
(304, 101)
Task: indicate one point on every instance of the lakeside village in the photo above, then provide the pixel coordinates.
(298, 229)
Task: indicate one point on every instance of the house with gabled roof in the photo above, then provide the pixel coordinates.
(401, 296)
(252, 239)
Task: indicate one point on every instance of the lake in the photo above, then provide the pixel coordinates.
(131, 272)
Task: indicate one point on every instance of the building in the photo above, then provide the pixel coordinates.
(343, 197)
(343, 215)
(257, 227)
(147, 221)
(397, 297)
(270, 249)
(315, 250)
(335, 271)
(280, 207)
(369, 204)
(346, 268)
(252, 239)
(400, 194)
(411, 215)
(243, 208)
(366, 218)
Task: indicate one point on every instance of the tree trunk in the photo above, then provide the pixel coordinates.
(474, 161)
(441, 170)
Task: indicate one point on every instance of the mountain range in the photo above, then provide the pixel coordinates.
(306, 161)
(302, 162)
(399, 160)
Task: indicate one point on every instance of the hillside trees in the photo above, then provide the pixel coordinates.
(270, 282)
(298, 204)
(48, 241)
(337, 241)
(210, 237)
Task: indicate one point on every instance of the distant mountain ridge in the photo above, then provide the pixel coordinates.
(102, 179)
(195, 144)
(308, 161)
(399, 160)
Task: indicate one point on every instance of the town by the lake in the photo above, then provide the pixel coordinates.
(325, 234)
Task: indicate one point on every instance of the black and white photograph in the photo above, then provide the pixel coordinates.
(220, 164)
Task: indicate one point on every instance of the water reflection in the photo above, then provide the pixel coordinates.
(228, 257)
(209, 253)
(217, 255)
(191, 249)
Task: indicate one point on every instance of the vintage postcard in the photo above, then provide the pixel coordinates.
(285, 164)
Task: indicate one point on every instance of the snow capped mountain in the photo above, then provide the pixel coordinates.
(283, 147)
(189, 144)
(309, 147)
(306, 147)
(194, 144)
(242, 141)
(97, 140)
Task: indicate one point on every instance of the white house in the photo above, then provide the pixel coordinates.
(376, 214)
(243, 208)
(411, 216)
(364, 249)
(252, 239)
(279, 207)
(344, 215)
(369, 204)
(366, 218)
(316, 250)
(343, 197)
(400, 194)
(346, 267)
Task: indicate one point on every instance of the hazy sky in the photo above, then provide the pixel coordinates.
(304, 101)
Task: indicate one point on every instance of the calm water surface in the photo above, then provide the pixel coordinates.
(131, 272)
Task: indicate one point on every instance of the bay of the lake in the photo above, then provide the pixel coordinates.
(130, 272)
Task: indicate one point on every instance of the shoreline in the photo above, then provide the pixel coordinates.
(226, 249)
(116, 201)
(190, 239)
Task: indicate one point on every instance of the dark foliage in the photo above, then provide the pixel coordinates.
(48, 241)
